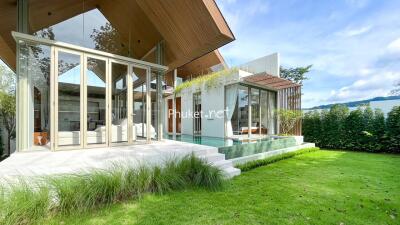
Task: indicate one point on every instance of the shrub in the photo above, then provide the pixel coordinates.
(393, 130)
(288, 119)
(362, 129)
(25, 204)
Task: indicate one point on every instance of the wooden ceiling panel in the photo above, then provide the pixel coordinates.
(8, 22)
(202, 65)
(132, 24)
(188, 27)
(45, 13)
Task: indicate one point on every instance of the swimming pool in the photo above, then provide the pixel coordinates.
(203, 140)
(236, 149)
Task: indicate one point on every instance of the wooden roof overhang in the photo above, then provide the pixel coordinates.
(190, 29)
(202, 65)
(270, 81)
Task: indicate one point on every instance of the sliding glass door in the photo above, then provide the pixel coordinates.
(95, 113)
(119, 103)
(99, 101)
(68, 96)
(143, 129)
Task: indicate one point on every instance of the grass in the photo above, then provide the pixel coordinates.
(321, 187)
(263, 162)
(24, 203)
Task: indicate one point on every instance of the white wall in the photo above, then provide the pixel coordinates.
(213, 101)
(187, 109)
(269, 64)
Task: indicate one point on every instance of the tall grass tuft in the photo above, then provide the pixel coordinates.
(24, 204)
(65, 194)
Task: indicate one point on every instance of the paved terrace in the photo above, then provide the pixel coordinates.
(40, 163)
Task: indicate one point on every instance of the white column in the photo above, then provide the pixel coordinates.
(174, 105)
(148, 106)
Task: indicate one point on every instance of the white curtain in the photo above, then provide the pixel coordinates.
(231, 95)
(264, 110)
(271, 113)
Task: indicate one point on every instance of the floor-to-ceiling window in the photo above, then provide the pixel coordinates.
(197, 113)
(35, 64)
(84, 80)
(240, 100)
(96, 100)
(255, 111)
(119, 103)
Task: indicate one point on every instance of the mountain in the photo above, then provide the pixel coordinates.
(357, 103)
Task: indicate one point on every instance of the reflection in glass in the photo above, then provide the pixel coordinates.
(84, 25)
(139, 104)
(243, 110)
(35, 63)
(255, 111)
(96, 101)
(119, 114)
(69, 110)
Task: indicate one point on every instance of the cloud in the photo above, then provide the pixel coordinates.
(379, 84)
(394, 46)
(354, 46)
(350, 32)
(357, 3)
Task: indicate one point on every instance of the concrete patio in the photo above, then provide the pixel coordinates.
(41, 163)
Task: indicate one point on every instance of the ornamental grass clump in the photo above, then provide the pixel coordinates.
(23, 203)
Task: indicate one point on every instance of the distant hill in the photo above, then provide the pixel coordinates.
(357, 103)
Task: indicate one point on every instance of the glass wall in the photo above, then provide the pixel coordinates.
(262, 103)
(119, 101)
(35, 65)
(96, 101)
(243, 111)
(69, 99)
(82, 23)
(255, 111)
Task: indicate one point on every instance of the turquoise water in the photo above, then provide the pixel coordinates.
(202, 140)
(209, 141)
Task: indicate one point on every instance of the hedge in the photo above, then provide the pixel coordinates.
(363, 129)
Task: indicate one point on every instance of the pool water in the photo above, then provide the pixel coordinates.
(204, 140)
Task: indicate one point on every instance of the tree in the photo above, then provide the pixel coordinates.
(7, 113)
(288, 119)
(106, 38)
(7, 79)
(393, 130)
(1, 144)
(297, 75)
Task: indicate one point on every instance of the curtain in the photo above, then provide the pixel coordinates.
(231, 95)
(271, 113)
(264, 110)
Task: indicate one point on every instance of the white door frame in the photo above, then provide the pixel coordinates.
(54, 110)
(85, 100)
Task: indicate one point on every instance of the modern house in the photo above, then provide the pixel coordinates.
(99, 73)
(93, 73)
(236, 104)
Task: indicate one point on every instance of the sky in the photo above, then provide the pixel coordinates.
(353, 45)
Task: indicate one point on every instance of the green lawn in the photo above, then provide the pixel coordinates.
(324, 187)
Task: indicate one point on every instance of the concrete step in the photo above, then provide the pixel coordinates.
(206, 150)
(231, 172)
(222, 164)
(214, 157)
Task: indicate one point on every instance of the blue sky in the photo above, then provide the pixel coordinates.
(353, 45)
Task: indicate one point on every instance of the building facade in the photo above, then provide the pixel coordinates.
(93, 73)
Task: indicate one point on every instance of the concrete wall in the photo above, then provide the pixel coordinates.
(269, 64)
